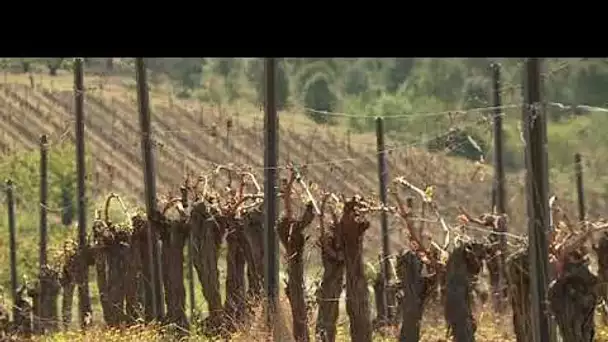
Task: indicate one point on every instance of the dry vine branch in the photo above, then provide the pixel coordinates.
(496, 251)
(433, 259)
(421, 270)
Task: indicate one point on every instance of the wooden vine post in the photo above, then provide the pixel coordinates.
(384, 314)
(580, 190)
(497, 272)
(154, 307)
(10, 200)
(271, 152)
(41, 295)
(84, 299)
(537, 186)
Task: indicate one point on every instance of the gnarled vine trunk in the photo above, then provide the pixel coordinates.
(413, 295)
(34, 294)
(518, 281)
(328, 294)
(68, 284)
(23, 313)
(291, 234)
(234, 306)
(133, 281)
(102, 283)
(573, 298)
(101, 264)
(67, 300)
(253, 230)
(47, 299)
(207, 237)
(463, 266)
(379, 299)
(116, 255)
(140, 226)
(495, 268)
(497, 263)
(601, 251)
(384, 298)
(173, 235)
(352, 228)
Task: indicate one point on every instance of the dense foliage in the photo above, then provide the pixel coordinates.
(24, 170)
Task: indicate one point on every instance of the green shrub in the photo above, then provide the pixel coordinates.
(319, 95)
(24, 170)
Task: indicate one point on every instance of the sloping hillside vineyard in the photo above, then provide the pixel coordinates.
(457, 267)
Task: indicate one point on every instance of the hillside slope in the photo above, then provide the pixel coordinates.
(184, 141)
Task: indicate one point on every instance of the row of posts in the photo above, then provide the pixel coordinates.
(537, 190)
(83, 287)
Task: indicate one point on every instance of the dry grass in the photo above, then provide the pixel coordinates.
(491, 328)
